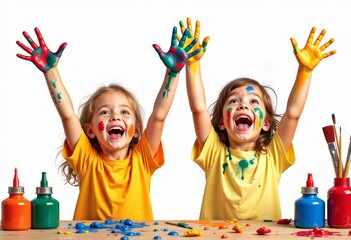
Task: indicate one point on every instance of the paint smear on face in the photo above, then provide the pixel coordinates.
(228, 115)
(131, 131)
(101, 126)
(249, 89)
(258, 111)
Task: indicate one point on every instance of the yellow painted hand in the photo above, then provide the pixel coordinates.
(202, 46)
(312, 54)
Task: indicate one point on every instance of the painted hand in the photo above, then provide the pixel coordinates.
(312, 54)
(177, 56)
(40, 55)
(191, 37)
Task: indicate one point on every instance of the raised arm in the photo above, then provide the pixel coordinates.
(47, 61)
(308, 58)
(174, 60)
(195, 88)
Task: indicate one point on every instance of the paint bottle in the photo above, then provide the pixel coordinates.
(309, 209)
(339, 204)
(16, 210)
(45, 209)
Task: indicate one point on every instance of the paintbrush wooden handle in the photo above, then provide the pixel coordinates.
(346, 170)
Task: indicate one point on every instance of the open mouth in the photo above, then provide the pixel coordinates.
(116, 131)
(243, 122)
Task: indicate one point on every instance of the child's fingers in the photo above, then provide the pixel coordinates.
(174, 37)
(161, 54)
(191, 45)
(24, 57)
(194, 53)
(24, 47)
(311, 36)
(182, 28)
(320, 37)
(294, 45)
(326, 45)
(30, 40)
(190, 27)
(40, 37)
(328, 54)
(197, 30)
(182, 40)
(205, 42)
(60, 50)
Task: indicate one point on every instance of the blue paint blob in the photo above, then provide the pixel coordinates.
(124, 238)
(249, 88)
(173, 233)
(130, 234)
(157, 237)
(156, 223)
(128, 222)
(124, 227)
(108, 221)
(155, 230)
(165, 230)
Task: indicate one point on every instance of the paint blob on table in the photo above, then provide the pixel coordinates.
(316, 232)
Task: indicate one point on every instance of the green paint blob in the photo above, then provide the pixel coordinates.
(243, 164)
(224, 166)
(259, 112)
(53, 84)
(59, 97)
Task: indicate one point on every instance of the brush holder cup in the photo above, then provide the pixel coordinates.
(339, 204)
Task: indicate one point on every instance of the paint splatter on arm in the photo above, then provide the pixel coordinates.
(47, 61)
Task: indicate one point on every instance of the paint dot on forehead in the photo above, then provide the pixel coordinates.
(249, 89)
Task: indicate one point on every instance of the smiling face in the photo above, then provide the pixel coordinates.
(113, 124)
(244, 117)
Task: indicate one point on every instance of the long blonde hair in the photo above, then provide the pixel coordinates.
(87, 112)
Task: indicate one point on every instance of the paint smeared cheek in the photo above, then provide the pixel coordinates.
(101, 126)
(131, 131)
(229, 113)
(259, 120)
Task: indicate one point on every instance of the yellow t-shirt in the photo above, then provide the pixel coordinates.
(113, 189)
(239, 184)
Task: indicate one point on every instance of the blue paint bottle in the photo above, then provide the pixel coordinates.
(309, 209)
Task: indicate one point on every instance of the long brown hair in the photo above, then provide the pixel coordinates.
(87, 112)
(217, 117)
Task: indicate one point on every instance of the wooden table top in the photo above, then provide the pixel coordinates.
(152, 229)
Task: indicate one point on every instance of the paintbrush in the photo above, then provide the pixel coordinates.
(180, 224)
(338, 144)
(348, 160)
(330, 138)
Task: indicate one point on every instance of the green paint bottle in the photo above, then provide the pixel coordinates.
(45, 209)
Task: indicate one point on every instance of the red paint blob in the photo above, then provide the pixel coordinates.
(101, 126)
(316, 232)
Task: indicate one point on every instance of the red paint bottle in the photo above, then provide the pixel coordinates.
(339, 204)
(16, 210)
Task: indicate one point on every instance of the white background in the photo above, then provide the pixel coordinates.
(111, 41)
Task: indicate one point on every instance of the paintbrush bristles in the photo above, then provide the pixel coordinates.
(329, 133)
(330, 138)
